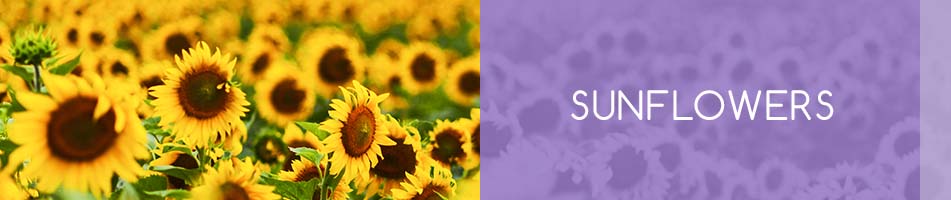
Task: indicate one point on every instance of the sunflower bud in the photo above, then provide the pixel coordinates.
(31, 48)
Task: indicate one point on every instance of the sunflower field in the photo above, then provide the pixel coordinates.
(285, 99)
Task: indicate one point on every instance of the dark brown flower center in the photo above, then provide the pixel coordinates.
(233, 191)
(286, 97)
(448, 146)
(394, 82)
(261, 63)
(423, 68)
(335, 67)
(177, 183)
(175, 43)
(185, 161)
(72, 36)
(118, 68)
(358, 131)
(151, 81)
(200, 95)
(469, 83)
(73, 135)
(475, 139)
(397, 161)
(97, 38)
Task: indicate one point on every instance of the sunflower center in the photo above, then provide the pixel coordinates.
(307, 173)
(175, 43)
(151, 82)
(232, 191)
(119, 68)
(73, 135)
(429, 193)
(397, 161)
(475, 139)
(286, 97)
(72, 36)
(97, 38)
(448, 146)
(358, 131)
(335, 67)
(177, 183)
(185, 161)
(260, 64)
(200, 95)
(469, 83)
(394, 82)
(423, 68)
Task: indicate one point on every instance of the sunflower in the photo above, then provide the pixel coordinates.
(473, 146)
(375, 16)
(429, 182)
(475, 38)
(449, 142)
(295, 138)
(398, 160)
(357, 131)
(170, 40)
(119, 64)
(234, 179)
(95, 34)
(148, 76)
(198, 96)
(177, 159)
(81, 130)
(334, 58)
(305, 170)
(423, 66)
(269, 150)
(6, 40)
(462, 86)
(234, 140)
(257, 61)
(285, 96)
(269, 35)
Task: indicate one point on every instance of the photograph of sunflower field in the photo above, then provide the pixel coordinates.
(241, 99)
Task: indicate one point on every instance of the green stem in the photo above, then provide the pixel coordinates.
(36, 78)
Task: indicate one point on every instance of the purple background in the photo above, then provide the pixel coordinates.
(536, 53)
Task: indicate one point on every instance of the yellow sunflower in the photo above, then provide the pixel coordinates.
(423, 66)
(148, 76)
(398, 160)
(83, 131)
(475, 38)
(357, 131)
(170, 40)
(469, 187)
(119, 64)
(258, 60)
(462, 86)
(269, 35)
(68, 32)
(270, 150)
(234, 179)
(449, 140)
(295, 138)
(285, 96)
(473, 146)
(429, 182)
(178, 159)
(198, 97)
(96, 34)
(305, 170)
(335, 58)
(375, 16)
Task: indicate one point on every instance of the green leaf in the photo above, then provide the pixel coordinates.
(14, 101)
(67, 67)
(7, 147)
(172, 193)
(308, 153)
(188, 175)
(19, 71)
(313, 128)
(151, 183)
(292, 190)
